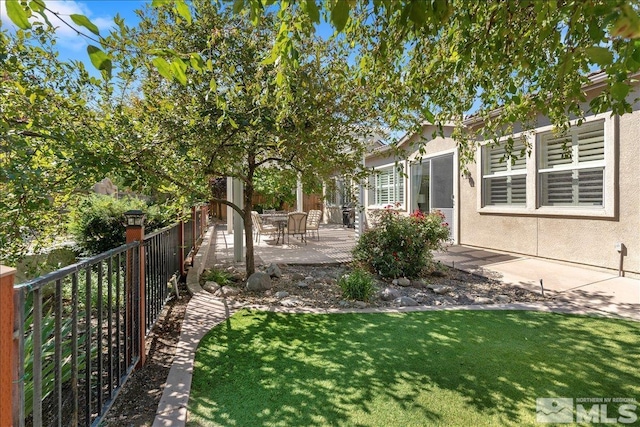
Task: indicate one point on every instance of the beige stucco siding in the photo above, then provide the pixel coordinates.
(586, 240)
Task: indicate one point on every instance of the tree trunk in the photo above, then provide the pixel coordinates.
(248, 230)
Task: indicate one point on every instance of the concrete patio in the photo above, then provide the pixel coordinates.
(333, 247)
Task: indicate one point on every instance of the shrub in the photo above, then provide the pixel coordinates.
(401, 246)
(357, 285)
(98, 222)
(222, 278)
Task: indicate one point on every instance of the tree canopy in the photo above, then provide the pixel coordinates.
(210, 88)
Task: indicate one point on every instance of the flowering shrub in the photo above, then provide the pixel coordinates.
(401, 246)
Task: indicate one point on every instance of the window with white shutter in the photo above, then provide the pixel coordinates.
(571, 166)
(388, 187)
(504, 178)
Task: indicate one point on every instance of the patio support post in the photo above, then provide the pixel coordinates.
(238, 244)
(359, 225)
(299, 194)
(229, 208)
(9, 358)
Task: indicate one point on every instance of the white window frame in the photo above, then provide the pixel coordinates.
(510, 172)
(533, 183)
(573, 165)
(397, 185)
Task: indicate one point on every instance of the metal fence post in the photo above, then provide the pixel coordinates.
(135, 232)
(7, 355)
(181, 246)
(194, 227)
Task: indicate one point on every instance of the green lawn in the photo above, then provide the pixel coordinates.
(450, 368)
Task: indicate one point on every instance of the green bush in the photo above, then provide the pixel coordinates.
(357, 285)
(222, 278)
(98, 222)
(401, 246)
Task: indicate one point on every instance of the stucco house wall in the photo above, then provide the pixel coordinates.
(567, 234)
(585, 235)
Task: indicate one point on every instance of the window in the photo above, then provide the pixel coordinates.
(340, 192)
(504, 179)
(571, 166)
(388, 187)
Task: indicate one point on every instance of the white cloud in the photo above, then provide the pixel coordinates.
(68, 38)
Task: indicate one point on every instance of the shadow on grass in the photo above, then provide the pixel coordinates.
(421, 368)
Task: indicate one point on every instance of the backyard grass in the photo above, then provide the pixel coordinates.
(453, 368)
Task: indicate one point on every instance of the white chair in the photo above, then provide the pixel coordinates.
(313, 222)
(297, 224)
(259, 228)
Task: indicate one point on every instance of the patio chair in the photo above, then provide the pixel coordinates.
(259, 228)
(268, 211)
(313, 222)
(297, 224)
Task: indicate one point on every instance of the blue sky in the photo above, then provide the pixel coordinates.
(100, 12)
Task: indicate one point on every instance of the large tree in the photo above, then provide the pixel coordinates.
(239, 112)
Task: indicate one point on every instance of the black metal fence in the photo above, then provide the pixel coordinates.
(162, 253)
(81, 330)
(78, 338)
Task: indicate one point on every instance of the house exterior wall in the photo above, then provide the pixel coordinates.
(564, 234)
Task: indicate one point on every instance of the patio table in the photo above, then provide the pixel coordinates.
(280, 220)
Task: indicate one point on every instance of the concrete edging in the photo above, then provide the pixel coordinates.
(200, 261)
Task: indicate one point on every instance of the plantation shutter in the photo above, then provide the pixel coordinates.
(572, 167)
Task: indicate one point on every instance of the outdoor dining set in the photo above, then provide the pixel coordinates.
(281, 223)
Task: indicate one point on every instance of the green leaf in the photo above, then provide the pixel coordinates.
(99, 59)
(238, 5)
(312, 11)
(164, 68)
(37, 6)
(179, 70)
(18, 14)
(619, 91)
(84, 22)
(183, 10)
(599, 55)
(417, 13)
(340, 14)
(160, 3)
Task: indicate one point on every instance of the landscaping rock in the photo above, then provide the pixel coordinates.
(211, 286)
(421, 296)
(273, 270)
(344, 304)
(502, 299)
(297, 276)
(402, 281)
(419, 283)
(389, 294)
(229, 291)
(440, 289)
(405, 302)
(303, 284)
(259, 281)
(482, 300)
(282, 294)
(291, 302)
(360, 304)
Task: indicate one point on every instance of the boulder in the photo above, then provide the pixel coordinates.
(229, 291)
(440, 289)
(402, 281)
(389, 294)
(482, 300)
(360, 304)
(282, 294)
(503, 299)
(259, 281)
(274, 271)
(405, 302)
(211, 286)
(291, 302)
